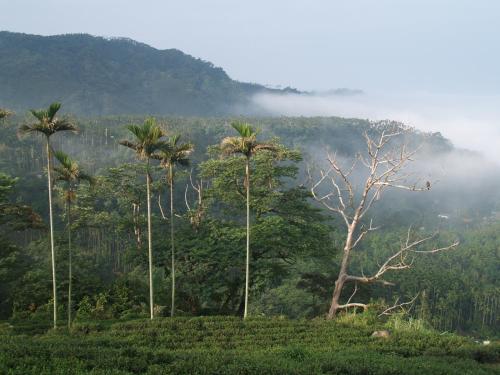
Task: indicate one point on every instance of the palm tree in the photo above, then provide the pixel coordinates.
(69, 172)
(148, 140)
(48, 124)
(245, 144)
(173, 153)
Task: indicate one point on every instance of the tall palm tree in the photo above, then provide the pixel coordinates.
(173, 153)
(147, 141)
(69, 172)
(48, 124)
(245, 144)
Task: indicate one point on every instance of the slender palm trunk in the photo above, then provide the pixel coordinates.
(150, 245)
(171, 180)
(70, 269)
(51, 223)
(247, 271)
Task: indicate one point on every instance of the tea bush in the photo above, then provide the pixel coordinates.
(228, 345)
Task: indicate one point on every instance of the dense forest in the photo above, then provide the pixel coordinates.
(197, 184)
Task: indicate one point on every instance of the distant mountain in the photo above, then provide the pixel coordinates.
(99, 76)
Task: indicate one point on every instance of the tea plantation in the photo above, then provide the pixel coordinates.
(228, 345)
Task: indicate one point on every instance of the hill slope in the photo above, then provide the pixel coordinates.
(98, 76)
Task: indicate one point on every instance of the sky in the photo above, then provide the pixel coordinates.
(433, 63)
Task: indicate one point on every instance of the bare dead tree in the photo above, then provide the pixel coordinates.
(382, 167)
(196, 212)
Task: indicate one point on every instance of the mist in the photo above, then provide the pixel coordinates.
(470, 122)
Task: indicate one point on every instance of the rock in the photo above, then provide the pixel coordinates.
(382, 334)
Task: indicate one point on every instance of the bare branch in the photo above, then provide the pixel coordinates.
(161, 208)
(353, 293)
(398, 260)
(348, 305)
(185, 198)
(401, 306)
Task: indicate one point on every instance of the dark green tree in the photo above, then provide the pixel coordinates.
(14, 217)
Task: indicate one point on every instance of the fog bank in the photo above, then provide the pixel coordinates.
(471, 122)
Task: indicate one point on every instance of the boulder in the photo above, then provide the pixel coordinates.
(382, 334)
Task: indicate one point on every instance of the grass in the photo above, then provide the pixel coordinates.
(228, 345)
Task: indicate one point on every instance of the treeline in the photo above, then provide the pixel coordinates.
(294, 245)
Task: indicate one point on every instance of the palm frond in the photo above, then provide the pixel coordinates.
(231, 145)
(136, 131)
(40, 114)
(52, 110)
(63, 125)
(64, 159)
(86, 177)
(175, 139)
(266, 147)
(25, 129)
(245, 130)
(62, 174)
(129, 144)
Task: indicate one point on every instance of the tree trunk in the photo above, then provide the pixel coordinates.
(150, 245)
(247, 271)
(70, 270)
(51, 224)
(339, 283)
(171, 181)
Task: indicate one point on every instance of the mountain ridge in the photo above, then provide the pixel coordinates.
(95, 75)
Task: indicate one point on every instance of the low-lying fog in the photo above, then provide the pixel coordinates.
(462, 181)
(471, 122)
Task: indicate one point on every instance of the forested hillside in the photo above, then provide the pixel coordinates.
(98, 76)
(296, 245)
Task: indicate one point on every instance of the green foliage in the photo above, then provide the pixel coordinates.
(228, 345)
(295, 247)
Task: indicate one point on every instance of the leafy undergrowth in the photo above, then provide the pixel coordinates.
(228, 345)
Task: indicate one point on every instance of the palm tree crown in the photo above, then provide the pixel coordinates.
(48, 123)
(147, 138)
(172, 152)
(69, 170)
(246, 143)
